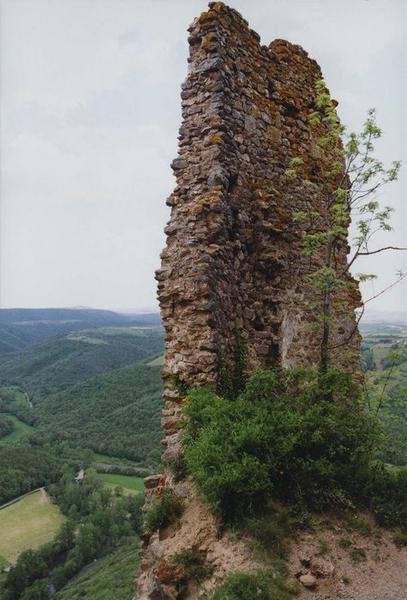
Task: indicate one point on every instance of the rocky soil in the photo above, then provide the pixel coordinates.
(196, 528)
(338, 563)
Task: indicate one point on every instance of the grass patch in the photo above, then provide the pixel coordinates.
(21, 430)
(345, 542)
(357, 555)
(272, 532)
(261, 585)
(130, 483)
(28, 523)
(355, 523)
(400, 539)
(323, 548)
(109, 577)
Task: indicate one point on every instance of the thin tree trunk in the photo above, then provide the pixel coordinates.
(326, 315)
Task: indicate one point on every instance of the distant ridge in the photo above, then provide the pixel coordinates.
(21, 327)
(396, 317)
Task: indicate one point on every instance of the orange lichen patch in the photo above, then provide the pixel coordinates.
(206, 16)
(273, 134)
(209, 42)
(207, 202)
(216, 138)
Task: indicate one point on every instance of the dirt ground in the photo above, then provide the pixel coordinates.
(350, 565)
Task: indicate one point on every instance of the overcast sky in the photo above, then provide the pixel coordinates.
(90, 110)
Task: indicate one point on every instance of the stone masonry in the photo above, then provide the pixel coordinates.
(233, 268)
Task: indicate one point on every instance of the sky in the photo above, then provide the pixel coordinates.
(89, 118)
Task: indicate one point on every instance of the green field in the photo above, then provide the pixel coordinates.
(108, 578)
(129, 483)
(20, 431)
(28, 523)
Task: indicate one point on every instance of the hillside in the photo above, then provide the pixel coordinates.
(116, 414)
(100, 580)
(55, 364)
(24, 468)
(385, 362)
(66, 404)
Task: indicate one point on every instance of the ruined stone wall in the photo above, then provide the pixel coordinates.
(234, 265)
(234, 273)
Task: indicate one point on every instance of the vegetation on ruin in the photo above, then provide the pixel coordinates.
(351, 178)
(162, 512)
(293, 437)
(191, 565)
(231, 375)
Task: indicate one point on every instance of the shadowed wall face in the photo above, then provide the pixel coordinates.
(234, 272)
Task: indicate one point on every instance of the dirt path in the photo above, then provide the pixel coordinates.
(45, 499)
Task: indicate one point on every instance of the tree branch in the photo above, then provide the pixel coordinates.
(382, 250)
(402, 276)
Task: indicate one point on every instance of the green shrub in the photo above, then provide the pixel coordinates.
(193, 563)
(386, 492)
(163, 511)
(244, 586)
(400, 539)
(37, 591)
(236, 449)
(178, 467)
(358, 555)
(262, 585)
(273, 529)
(290, 435)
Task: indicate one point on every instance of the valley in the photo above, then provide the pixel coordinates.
(83, 393)
(89, 400)
(384, 358)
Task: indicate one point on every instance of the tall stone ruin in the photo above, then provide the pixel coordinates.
(234, 270)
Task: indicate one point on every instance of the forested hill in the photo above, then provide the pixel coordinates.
(116, 414)
(52, 365)
(385, 364)
(21, 327)
(97, 389)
